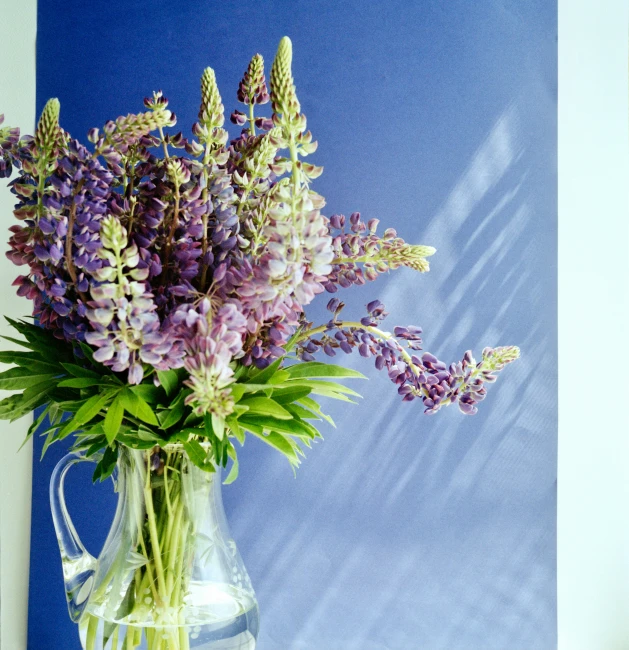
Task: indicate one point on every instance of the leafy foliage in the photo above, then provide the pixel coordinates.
(86, 398)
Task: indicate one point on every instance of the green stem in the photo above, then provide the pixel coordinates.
(252, 126)
(372, 330)
(161, 135)
(154, 537)
(92, 628)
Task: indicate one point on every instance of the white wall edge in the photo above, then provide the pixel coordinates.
(593, 488)
(17, 102)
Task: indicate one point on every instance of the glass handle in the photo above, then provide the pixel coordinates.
(78, 565)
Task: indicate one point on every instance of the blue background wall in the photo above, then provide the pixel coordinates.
(400, 531)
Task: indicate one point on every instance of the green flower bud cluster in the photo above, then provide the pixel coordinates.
(48, 135)
(122, 277)
(396, 252)
(211, 113)
(257, 164)
(135, 125)
(177, 173)
(283, 95)
(112, 235)
(252, 89)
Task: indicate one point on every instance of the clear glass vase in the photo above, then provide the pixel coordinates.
(169, 576)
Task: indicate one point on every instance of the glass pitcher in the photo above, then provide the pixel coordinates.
(169, 576)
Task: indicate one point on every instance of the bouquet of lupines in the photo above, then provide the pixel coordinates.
(170, 275)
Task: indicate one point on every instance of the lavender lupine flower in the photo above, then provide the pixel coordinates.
(59, 237)
(359, 254)
(123, 314)
(211, 341)
(9, 138)
(426, 378)
(252, 90)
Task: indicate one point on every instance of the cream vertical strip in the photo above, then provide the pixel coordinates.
(17, 102)
(593, 486)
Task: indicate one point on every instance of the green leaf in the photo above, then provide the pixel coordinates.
(137, 407)
(35, 425)
(30, 361)
(252, 427)
(31, 398)
(169, 380)
(113, 419)
(20, 378)
(279, 442)
(233, 472)
(327, 388)
(79, 371)
(86, 413)
(106, 464)
(318, 369)
(218, 426)
(279, 377)
(182, 435)
(235, 428)
(148, 392)
(289, 395)
(25, 344)
(146, 434)
(265, 406)
(173, 414)
(19, 358)
(301, 413)
(263, 376)
(170, 417)
(38, 335)
(292, 426)
(237, 391)
(314, 406)
(88, 352)
(79, 382)
(198, 455)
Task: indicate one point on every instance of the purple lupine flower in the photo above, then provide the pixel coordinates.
(211, 342)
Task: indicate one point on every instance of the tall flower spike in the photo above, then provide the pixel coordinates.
(252, 88)
(48, 133)
(283, 95)
(211, 113)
